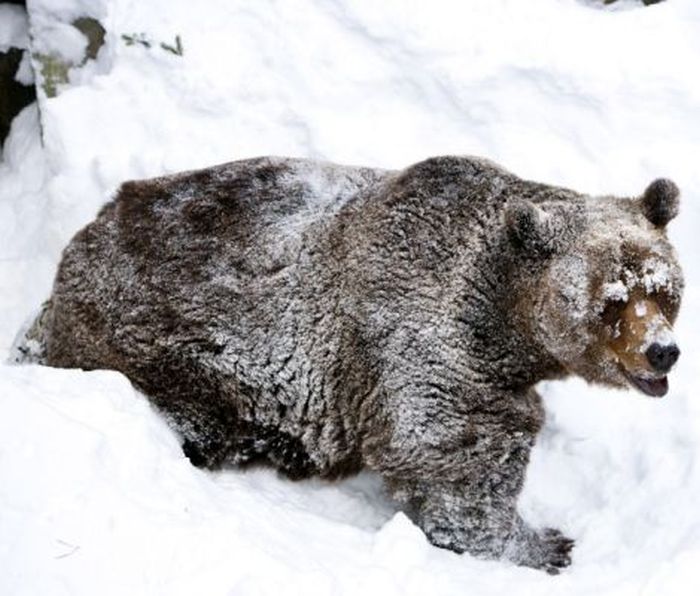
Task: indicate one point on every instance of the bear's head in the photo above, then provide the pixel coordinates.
(609, 285)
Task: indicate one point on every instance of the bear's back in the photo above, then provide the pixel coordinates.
(236, 201)
(228, 236)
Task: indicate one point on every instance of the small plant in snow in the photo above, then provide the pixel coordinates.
(136, 39)
(176, 49)
(143, 40)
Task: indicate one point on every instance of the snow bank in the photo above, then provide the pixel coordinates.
(13, 27)
(95, 494)
(97, 497)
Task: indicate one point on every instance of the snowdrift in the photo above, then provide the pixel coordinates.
(95, 494)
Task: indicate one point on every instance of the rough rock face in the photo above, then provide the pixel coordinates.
(14, 96)
(324, 318)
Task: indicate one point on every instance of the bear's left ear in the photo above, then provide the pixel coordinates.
(533, 230)
(660, 202)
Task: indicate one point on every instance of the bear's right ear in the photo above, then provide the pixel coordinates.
(531, 229)
(660, 202)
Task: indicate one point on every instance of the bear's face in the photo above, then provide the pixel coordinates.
(606, 303)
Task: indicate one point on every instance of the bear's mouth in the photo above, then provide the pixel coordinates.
(653, 386)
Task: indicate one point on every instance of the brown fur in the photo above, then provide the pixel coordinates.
(324, 318)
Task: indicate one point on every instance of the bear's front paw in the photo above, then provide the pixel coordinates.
(556, 551)
(548, 550)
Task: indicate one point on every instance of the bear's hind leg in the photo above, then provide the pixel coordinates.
(207, 430)
(195, 403)
(215, 433)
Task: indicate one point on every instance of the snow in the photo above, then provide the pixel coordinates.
(25, 74)
(616, 290)
(13, 27)
(95, 493)
(657, 333)
(656, 276)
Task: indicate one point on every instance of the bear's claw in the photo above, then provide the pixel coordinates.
(548, 550)
(557, 551)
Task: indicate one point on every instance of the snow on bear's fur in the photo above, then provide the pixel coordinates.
(323, 318)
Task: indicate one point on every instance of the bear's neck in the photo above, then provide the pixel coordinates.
(522, 320)
(497, 319)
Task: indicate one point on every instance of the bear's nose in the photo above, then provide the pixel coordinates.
(662, 357)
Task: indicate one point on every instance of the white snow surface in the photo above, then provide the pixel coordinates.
(95, 494)
(13, 27)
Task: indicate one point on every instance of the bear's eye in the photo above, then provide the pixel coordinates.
(612, 312)
(667, 303)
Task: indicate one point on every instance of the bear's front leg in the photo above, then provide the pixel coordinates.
(460, 473)
(483, 521)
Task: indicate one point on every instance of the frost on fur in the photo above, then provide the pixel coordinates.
(29, 345)
(323, 318)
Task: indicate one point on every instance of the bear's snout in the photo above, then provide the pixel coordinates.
(644, 345)
(662, 357)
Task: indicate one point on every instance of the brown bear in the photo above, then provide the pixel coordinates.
(325, 318)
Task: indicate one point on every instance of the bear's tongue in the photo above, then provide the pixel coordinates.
(653, 387)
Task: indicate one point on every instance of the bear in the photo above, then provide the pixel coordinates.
(324, 319)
